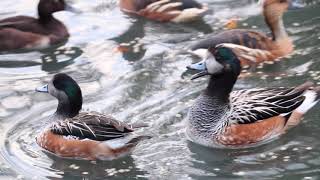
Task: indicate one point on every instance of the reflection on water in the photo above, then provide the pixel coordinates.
(135, 70)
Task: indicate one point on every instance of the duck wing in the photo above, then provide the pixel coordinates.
(183, 4)
(162, 10)
(92, 126)
(242, 37)
(249, 106)
(22, 23)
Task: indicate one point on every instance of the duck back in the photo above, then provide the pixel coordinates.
(251, 39)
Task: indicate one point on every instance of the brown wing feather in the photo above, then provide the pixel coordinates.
(92, 126)
(243, 37)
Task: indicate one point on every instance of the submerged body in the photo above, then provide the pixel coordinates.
(221, 117)
(165, 10)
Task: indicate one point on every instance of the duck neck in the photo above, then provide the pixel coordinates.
(275, 23)
(221, 86)
(44, 16)
(69, 108)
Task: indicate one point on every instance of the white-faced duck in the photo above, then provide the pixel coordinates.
(250, 46)
(165, 10)
(224, 118)
(83, 135)
(23, 32)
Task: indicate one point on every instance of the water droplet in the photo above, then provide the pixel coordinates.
(307, 178)
(296, 24)
(240, 173)
(295, 149)
(85, 173)
(308, 148)
(216, 169)
(283, 148)
(274, 157)
(20, 176)
(262, 155)
(271, 153)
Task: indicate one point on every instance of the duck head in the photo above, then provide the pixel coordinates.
(274, 9)
(47, 7)
(219, 61)
(68, 93)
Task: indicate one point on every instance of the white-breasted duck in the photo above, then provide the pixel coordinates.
(252, 46)
(83, 135)
(24, 32)
(221, 117)
(165, 10)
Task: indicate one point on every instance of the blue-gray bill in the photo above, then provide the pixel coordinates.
(43, 89)
(72, 9)
(200, 66)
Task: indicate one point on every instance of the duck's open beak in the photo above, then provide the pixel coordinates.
(43, 89)
(72, 9)
(201, 66)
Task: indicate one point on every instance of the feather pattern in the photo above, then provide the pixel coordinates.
(248, 106)
(92, 125)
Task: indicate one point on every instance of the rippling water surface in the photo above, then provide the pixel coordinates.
(149, 82)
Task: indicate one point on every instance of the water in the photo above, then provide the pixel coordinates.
(149, 83)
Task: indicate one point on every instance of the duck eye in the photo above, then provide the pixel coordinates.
(283, 1)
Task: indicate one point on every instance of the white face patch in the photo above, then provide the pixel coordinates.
(213, 66)
(57, 93)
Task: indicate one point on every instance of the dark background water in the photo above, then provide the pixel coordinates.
(150, 83)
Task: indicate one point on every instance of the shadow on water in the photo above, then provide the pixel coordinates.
(52, 60)
(75, 169)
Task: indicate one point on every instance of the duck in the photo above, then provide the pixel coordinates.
(222, 118)
(253, 47)
(24, 32)
(83, 135)
(178, 11)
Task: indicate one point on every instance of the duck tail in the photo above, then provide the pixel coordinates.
(138, 125)
(311, 97)
(134, 141)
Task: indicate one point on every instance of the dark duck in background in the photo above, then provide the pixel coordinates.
(24, 32)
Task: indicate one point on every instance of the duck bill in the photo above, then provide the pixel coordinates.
(200, 74)
(200, 66)
(72, 9)
(43, 89)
